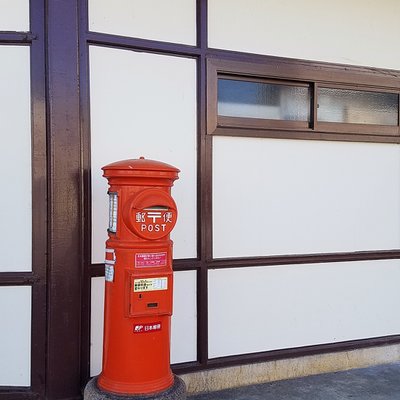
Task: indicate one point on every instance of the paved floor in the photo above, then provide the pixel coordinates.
(377, 383)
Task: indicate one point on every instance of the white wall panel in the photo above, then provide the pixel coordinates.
(293, 197)
(184, 321)
(267, 308)
(171, 21)
(350, 32)
(14, 15)
(144, 105)
(15, 343)
(96, 325)
(15, 160)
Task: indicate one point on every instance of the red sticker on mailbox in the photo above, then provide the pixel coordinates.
(143, 260)
(147, 328)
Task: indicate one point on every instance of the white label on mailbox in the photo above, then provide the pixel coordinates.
(150, 284)
(113, 212)
(109, 273)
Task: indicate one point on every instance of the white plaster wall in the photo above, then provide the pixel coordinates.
(15, 343)
(15, 160)
(143, 105)
(274, 196)
(184, 322)
(14, 15)
(267, 308)
(96, 325)
(171, 21)
(355, 32)
(184, 319)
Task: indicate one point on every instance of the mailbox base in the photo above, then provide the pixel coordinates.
(176, 392)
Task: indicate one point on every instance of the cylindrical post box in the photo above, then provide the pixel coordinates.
(139, 278)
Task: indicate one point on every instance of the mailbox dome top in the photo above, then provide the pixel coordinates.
(141, 164)
(151, 172)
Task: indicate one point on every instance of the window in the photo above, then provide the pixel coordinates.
(247, 99)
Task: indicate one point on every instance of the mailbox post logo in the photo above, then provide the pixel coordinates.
(154, 222)
(147, 328)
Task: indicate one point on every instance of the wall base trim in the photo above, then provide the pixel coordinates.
(289, 368)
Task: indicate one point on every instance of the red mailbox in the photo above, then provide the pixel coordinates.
(139, 278)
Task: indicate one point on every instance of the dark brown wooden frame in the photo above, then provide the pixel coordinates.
(37, 279)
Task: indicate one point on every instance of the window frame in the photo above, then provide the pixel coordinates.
(313, 75)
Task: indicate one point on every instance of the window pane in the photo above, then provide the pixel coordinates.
(357, 107)
(263, 100)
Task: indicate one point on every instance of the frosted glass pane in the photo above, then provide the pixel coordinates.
(14, 15)
(167, 21)
(357, 107)
(15, 160)
(263, 100)
(15, 343)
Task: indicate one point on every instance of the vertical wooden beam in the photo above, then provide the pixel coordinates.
(39, 197)
(204, 185)
(65, 180)
(87, 204)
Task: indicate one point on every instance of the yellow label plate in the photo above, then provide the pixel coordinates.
(150, 284)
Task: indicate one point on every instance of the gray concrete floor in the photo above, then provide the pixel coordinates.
(377, 383)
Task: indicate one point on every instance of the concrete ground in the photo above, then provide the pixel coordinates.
(374, 383)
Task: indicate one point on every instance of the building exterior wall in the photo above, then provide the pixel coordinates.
(174, 21)
(163, 111)
(302, 197)
(282, 245)
(14, 15)
(269, 308)
(16, 203)
(339, 32)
